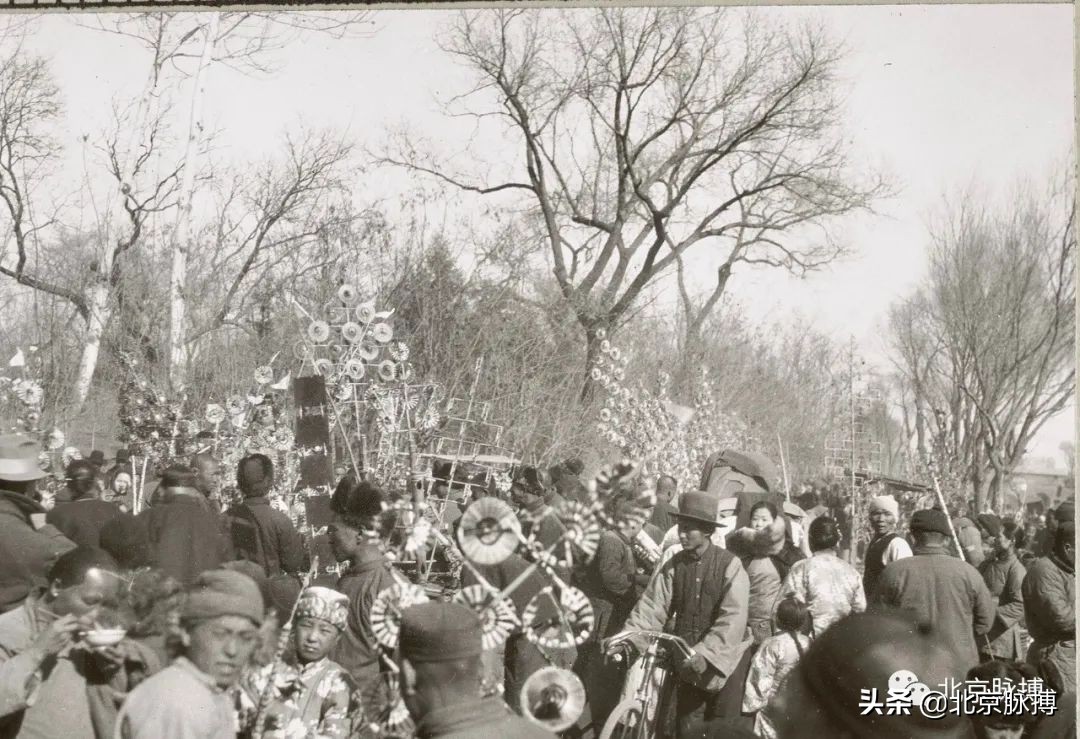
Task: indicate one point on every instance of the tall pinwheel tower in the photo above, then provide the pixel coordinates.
(382, 417)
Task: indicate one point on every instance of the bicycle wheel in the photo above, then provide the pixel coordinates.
(627, 721)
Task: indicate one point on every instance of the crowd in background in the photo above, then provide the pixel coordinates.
(169, 623)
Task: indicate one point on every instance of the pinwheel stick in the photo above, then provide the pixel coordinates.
(282, 643)
(348, 446)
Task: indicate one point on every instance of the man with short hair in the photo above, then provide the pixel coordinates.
(1049, 591)
(440, 670)
(886, 546)
(192, 698)
(261, 534)
(940, 588)
(82, 519)
(186, 536)
(207, 469)
(703, 592)
(44, 673)
(31, 544)
(663, 514)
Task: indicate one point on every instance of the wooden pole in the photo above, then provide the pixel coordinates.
(941, 502)
(783, 467)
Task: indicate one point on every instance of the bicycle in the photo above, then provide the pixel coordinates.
(636, 714)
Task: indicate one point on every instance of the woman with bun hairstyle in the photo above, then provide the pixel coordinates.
(830, 587)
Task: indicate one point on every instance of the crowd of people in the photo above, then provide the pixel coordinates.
(185, 620)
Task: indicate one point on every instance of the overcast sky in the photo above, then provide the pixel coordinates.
(938, 96)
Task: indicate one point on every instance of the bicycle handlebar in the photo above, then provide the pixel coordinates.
(657, 636)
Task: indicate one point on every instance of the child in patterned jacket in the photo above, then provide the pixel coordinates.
(311, 696)
(773, 660)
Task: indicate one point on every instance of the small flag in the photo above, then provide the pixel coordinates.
(18, 360)
(283, 383)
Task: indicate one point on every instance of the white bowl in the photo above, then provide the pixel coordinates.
(104, 637)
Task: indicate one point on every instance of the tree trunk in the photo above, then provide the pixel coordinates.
(592, 352)
(181, 235)
(97, 299)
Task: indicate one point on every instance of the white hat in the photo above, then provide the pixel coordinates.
(885, 503)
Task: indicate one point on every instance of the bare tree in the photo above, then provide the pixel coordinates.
(262, 223)
(986, 346)
(188, 45)
(29, 107)
(642, 135)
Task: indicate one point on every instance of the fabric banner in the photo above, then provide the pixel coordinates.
(312, 431)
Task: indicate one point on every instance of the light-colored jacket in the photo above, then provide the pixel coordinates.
(829, 586)
(773, 660)
(51, 694)
(725, 642)
(180, 702)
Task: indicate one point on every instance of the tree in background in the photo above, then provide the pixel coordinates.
(186, 45)
(139, 187)
(986, 346)
(645, 135)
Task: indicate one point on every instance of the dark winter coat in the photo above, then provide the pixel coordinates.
(186, 537)
(942, 591)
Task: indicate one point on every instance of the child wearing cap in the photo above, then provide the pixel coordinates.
(311, 696)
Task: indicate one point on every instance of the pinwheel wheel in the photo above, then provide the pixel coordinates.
(489, 531)
(497, 616)
(571, 625)
(352, 332)
(347, 294)
(318, 332)
(387, 608)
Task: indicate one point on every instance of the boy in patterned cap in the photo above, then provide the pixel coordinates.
(311, 696)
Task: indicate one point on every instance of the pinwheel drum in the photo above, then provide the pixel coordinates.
(387, 608)
(382, 333)
(352, 332)
(581, 534)
(318, 332)
(489, 531)
(347, 294)
(263, 375)
(497, 616)
(354, 368)
(572, 626)
(388, 370)
(365, 314)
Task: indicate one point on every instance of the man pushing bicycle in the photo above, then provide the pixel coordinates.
(701, 595)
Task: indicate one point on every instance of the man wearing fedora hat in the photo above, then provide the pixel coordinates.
(707, 592)
(33, 545)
